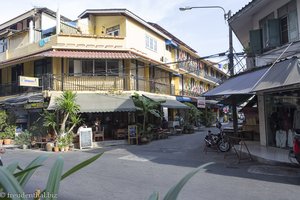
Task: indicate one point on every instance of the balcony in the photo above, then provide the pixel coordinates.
(211, 78)
(93, 82)
(14, 88)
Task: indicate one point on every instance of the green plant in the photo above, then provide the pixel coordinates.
(67, 109)
(146, 106)
(9, 132)
(207, 118)
(193, 114)
(175, 190)
(13, 178)
(23, 138)
(1, 135)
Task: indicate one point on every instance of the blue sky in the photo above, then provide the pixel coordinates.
(203, 29)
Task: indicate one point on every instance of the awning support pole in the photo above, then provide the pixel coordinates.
(234, 116)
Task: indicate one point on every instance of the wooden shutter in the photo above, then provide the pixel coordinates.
(256, 41)
(293, 26)
(273, 33)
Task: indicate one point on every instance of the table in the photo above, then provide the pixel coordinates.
(237, 138)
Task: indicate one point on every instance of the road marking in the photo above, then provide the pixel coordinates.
(137, 158)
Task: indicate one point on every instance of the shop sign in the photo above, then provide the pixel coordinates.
(85, 138)
(201, 102)
(28, 81)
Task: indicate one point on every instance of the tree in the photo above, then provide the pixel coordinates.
(146, 106)
(193, 113)
(65, 114)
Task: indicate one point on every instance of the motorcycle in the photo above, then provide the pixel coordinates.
(295, 152)
(218, 140)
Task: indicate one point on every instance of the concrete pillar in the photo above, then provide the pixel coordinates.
(262, 120)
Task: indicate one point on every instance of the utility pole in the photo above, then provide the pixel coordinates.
(230, 58)
(231, 70)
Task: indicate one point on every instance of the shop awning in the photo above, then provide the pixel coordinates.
(170, 101)
(183, 99)
(240, 84)
(89, 54)
(282, 74)
(23, 99)
(93, 102)
(239, 99)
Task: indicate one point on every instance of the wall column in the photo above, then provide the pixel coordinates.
(262, 120)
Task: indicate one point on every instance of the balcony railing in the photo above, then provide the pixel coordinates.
(14, 88)
(211, 78)
(94, 82)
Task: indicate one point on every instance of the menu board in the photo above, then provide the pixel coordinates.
(132, 133)
(85, 138)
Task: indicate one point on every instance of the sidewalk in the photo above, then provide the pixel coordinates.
(263, 154)
(269, 155)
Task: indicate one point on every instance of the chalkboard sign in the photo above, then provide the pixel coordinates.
(132, 133)
(85, 138)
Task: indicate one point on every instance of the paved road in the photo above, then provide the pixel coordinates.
(134, 172)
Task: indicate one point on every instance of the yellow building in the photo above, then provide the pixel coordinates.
(105, 51)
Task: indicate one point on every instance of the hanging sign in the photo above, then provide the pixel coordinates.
(201, 102)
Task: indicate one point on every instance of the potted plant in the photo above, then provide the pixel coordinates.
(66, 107)
(9, 134)
(1, 138)
(23, 139)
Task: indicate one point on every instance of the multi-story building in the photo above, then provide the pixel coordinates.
(103, 52)
(269, 31)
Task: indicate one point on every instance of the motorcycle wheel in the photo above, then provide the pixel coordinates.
(224, 145)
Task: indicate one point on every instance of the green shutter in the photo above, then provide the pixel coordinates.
(273, 33)
(256, 41)
(293, 26)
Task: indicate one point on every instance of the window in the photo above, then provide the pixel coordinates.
(3, 45)
(205, 69)
(87, 67)
(151, 43)
(100, 67)
(113, 31)
(94, 67)
(112, 67)
(16, 71)
(288, 20)
(42, 67)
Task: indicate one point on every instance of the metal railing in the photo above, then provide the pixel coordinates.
(95, 82)
(14, 88)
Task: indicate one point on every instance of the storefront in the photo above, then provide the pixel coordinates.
(282, 112)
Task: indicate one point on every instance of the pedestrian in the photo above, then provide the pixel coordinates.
(2, 151)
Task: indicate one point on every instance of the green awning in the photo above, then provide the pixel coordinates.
(170, 101)
(93, 102)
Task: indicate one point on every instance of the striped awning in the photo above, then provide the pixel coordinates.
(89, 54)
(72, 54)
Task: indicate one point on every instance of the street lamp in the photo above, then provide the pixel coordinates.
(226, 17)
(230, 57)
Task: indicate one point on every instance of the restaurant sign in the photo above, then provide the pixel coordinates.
(201, 102)
(28, 81)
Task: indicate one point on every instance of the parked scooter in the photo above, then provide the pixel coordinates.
(218, 140)
(295, 153)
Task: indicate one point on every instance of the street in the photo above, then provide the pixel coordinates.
(134, 172)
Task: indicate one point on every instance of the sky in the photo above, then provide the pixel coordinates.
(205, 30)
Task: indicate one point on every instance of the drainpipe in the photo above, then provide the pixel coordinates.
(31, 32)
(137, 75)
(57, 22)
